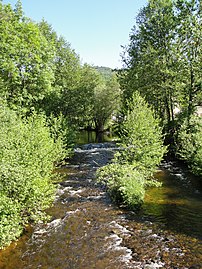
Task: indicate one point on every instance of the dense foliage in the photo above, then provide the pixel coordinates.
(163, 62)
(125, 184)
(141, 136)
(46, 95)
(27, 153)
(26, 60)
(141, 151)
(106, 100)
(190, 143)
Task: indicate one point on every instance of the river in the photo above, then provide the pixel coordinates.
(87, 230)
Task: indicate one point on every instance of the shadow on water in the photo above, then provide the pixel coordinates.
(177, 205)
(170, 220)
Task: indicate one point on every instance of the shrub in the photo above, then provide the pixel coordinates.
(141, 136)
(62, 130)
(190, 144)
(27, 153)
(124, 184)
(10, 220)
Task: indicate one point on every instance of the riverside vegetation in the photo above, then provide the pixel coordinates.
(141, 152)
(47, 95)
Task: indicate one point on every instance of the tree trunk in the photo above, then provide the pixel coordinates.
(99, 126)
(190, 108)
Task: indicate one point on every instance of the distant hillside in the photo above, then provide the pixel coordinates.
(105, 71)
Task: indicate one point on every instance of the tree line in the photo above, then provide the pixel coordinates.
(40, 71)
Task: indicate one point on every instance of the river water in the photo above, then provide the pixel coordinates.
(87, 230)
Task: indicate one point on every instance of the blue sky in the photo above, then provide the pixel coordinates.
(96, 29)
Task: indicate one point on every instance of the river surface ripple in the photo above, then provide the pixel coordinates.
(87, 231)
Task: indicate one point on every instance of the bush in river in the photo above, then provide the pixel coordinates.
(141, 137)
(125, 185)
(141, 152)
(27, 153)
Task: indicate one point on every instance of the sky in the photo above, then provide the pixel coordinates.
(96, 29)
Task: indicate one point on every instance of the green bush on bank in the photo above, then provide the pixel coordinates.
(141, 152)
(10, 220)
(190, 143)
(27, 153)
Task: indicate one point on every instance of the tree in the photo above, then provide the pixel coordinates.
(25, 60)
(190, 143)
(189, 40)
(106, 101)
(67, 72)
(84, 95)
(151, 62)
(164, 59)
(141, 137)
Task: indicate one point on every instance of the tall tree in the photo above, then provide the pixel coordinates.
(164, 58)
(67, 72)
(25, 60)
(189, 40)
(81, 98)
(106, 101)
(151, 62)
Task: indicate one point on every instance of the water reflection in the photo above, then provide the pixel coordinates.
(177, 205)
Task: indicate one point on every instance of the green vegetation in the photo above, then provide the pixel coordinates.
(106, 101)
(26, 60)
(47, 96)
(124, 184)
(190, 144)
(141, 152)
(27, 153)
(141, 137)
(163, 63)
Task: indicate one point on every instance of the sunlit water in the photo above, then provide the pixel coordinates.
(88, 231)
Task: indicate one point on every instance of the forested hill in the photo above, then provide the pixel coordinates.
(105, 71)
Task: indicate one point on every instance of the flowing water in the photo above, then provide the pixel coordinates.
(88, 231)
